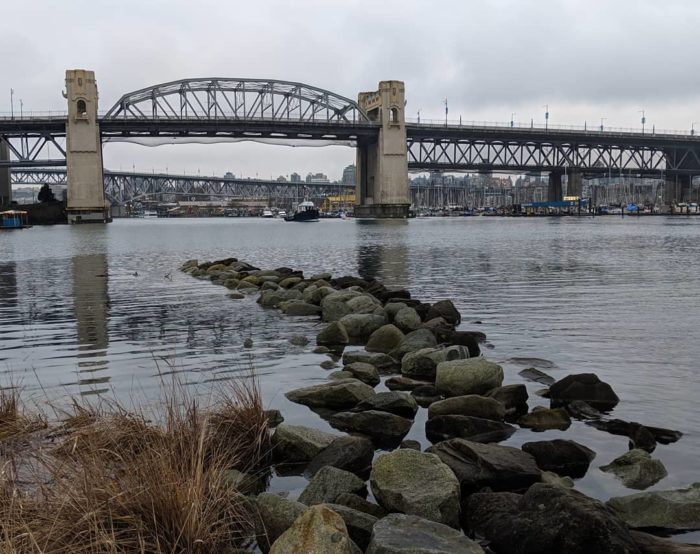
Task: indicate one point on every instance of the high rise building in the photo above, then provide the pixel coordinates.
(295, 177)
(349, 175)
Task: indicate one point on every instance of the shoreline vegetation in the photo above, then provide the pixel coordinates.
(465, 493)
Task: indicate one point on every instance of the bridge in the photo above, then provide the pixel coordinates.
(123, 187)
(388, 146)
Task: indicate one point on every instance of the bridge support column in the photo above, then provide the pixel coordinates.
(677, 189)
(554, 193)
(574, 184)
(86, 198)
(382, 166)
(5, 184)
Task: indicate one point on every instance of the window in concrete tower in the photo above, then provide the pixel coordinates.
(394, 115)
(82, 108)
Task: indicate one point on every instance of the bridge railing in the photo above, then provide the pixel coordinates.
(547, 128)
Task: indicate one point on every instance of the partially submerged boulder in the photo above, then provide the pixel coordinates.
(564, 457)
(670, 509)
(636, 469)
(472, 376)
(340, 394)
(296, 443)
(587, 387)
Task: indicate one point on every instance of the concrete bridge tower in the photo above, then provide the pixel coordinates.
(382, 165)
(86, 198)
(5, 185)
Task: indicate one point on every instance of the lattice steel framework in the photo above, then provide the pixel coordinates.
(32, 149)
(122, 187)
(238, 99)
(495, 154)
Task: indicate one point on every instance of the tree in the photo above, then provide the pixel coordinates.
(46, 194)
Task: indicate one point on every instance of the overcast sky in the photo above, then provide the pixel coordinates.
(586, 59)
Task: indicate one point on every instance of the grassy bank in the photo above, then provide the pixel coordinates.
(106, 479)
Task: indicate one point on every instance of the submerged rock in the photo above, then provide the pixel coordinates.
(446, 310)
(407, 534)
(540, 419)
(298, 340)
(641, 436)
(444, 427)
(501, 468)
(394, 402)
(533, 374)
(564, 457)
(547, 519)
(587, 387)
(403, 383)
(513, 397)
(671, 509)
(345, 393)
(300, 308)
(416, 483)
(381, 361)
(636, 469)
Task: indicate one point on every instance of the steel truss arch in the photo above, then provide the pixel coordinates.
(237, 99)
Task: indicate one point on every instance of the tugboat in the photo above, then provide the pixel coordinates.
(305, 211)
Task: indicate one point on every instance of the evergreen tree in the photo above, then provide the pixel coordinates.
(46, 194)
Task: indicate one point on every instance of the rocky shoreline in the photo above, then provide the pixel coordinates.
(465, 493)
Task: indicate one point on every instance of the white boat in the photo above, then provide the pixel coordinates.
(267, 212)
(150, 213)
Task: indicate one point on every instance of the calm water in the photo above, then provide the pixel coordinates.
(103, 310)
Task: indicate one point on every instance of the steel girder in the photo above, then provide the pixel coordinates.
(238, 99)
(122, 187)
(496, 154)
(34, 149)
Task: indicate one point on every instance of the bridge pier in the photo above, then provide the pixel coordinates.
(574, 184)
(382, 165)
(677, 189)
(554, 192)
(5, 185)
(86, 198)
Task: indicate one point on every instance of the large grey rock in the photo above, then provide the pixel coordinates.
(392, 308)
(383, 362)
(422, 363)
(671, 509)
(477, 429)
(513, 397)
(469, 405)
(351, 453)
(334, 305)
(385, 339)
(446, 310)
(364, 372)
(650, 544)
(296, 443)
(334, 334)
(384, 428)
(328, 483)
(273, 298)
(547, 519)
(358, 523)
(394, 402)
(361, 326)
(541, 419)
(364, 304)
(587, 387)
(341, 394)
(476, 465)
(407, 534)
(416, 483)
(358, 503)
(300, 308)
(315, 294)
(407, 319)
(415, 340)
(275, 515)
(472, 376)
(404, 383)
(636, 469)
(564, 457)
(319, 530)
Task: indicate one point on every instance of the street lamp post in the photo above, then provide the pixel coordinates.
(445, 112)
(644, 119)
(546, 116)
(12, 103)
(419, 117)
(602, 124)
(21, 106)
(692, 128)
(512, 122)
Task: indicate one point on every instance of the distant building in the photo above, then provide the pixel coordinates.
(295, 178)
(229, 175)
(350, 175)
(317, 179)
(281, 179)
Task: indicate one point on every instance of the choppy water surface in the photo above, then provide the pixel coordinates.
(103, 310)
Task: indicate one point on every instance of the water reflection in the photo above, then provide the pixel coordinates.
(383, 250)
(91, 308)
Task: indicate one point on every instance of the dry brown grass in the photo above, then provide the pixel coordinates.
(118, 483)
